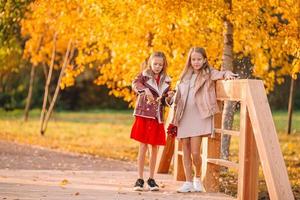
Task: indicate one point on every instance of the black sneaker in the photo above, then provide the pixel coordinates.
(152, 185)
(139, 185)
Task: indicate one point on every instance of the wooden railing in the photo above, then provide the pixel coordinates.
(258, 141)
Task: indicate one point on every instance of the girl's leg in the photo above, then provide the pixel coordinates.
(151, 182)
(153, 158)
(141, 159)
(187, 160)
(195, 149)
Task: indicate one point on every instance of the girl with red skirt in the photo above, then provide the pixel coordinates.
(152, 87)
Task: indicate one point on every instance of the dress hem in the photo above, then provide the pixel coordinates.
(195, 135)
(159, 144)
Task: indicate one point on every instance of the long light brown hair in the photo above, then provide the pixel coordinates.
(188, 69)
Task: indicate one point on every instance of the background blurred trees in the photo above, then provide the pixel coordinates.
(11, 50)
(112, 38)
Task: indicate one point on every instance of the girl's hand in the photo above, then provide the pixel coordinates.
(149, 95)
(230, 76)
(170, 93)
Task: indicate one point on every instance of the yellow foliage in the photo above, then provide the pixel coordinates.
(117, 36)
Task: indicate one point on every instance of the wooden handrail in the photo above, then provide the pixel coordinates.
(257, 141)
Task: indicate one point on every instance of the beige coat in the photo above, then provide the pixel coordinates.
(205, 95)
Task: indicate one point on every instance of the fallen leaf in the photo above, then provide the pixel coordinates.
(64, 182)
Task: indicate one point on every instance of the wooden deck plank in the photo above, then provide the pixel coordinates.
(91, 185)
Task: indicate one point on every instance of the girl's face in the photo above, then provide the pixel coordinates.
(157, 64)
(197, 60)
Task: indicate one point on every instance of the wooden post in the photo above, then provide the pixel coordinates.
(178, 164)
(271, 158)
(211, 172)
(211, 149)
(248, 159)
(165, 156)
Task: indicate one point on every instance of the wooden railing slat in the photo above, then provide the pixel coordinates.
(227, 132)
(224, 163)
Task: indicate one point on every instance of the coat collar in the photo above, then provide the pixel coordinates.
(159, 89)
(200, 79)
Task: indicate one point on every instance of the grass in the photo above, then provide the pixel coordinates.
(106, 133)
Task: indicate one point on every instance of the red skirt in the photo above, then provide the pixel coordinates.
(148, 131)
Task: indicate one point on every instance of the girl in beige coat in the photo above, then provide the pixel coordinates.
(193, 109)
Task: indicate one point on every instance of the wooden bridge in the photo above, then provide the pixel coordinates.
(258, 141)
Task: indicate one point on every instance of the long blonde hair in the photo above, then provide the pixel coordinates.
(188, 66)
(146, 65)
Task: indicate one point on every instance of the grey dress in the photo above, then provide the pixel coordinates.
(191, 124)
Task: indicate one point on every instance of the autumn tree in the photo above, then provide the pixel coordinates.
(115, 37)
(11, 42)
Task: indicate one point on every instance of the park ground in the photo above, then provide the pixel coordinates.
(98, 141)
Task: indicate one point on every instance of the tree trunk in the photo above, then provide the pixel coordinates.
(228, 113)
(46, 77)
(57, 89)
(43, 112)
(29, 96)
(292, 89)
(32, 75)
(291, 105)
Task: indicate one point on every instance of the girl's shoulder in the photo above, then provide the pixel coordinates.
(142, 76)
(180, 85)
(178, 82)
(146, 73)
(182, 82)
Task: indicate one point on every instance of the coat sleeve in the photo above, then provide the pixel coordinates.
(138, 84)
(218, 75)
(175, 108)
(164, 99)
(171, 101)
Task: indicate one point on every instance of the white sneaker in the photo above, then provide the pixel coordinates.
(197, 185)
(186, 187)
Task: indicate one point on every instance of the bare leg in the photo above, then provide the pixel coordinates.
(153, 158)
(195, 149)
(187, 160)
(141, 159)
